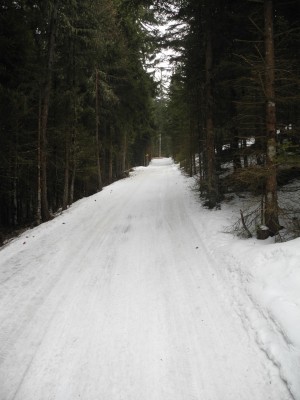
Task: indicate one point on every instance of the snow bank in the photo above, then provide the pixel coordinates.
(271, 276)
(264, 278)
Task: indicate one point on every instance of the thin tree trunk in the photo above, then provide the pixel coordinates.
(72, 152)
(15, 180)
(14, 197)
(44, 112)
(245, 157)
(71, 192)
(194, 164)
(39, 201)
(271, 205)
(99, 182)
(237, 164)
(124, 152)
(110, 159)
(210, 140)
(73, 159)
(192, 148)
(66, 174)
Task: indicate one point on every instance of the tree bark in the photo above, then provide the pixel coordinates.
(72, 151)
(210, 140)
(46, 91)
(124, 153)
(15, 174)
(99, 181)
(110, 157)
(66, 174)
(237, 163)
(39, 189)
(271, 203)
(245, 157)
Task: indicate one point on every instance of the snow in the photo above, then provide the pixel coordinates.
(138, 293)
(265, 279)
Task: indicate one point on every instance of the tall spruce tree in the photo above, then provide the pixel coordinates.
(271, 206)
(49, 54)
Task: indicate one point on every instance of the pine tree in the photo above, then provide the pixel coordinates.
(271, 206)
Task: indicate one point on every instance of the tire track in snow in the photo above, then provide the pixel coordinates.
(132, 309)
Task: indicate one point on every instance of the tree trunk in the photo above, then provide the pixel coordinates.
(99, 182)
(15, 174)
(271, 204)
(124, 153)
(210, 140)
(72, 151)
(66, 174)
(110, 158)
(39, 189)
(73, 159)
(44, 112)
(237, 164)
(245, 157)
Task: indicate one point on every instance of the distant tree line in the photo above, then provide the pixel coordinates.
(78, 108)
(233, 107)
(76, 103)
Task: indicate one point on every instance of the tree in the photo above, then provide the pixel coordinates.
(45, 99)
(49, 52)
(271, 204)
(212, 185)
(99, 184)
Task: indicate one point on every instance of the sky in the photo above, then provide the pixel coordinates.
(163, 65)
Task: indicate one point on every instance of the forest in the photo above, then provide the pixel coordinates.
(79, 106)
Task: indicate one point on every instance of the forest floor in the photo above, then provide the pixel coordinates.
(136, 293)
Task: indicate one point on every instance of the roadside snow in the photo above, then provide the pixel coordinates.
(265, 280)
(136, 293)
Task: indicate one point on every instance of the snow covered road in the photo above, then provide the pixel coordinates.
(119, 299)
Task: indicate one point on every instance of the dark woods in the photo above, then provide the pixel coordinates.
(233, 113)
(78, 108)
(75, 102)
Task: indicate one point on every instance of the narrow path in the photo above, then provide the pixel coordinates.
(117, 299)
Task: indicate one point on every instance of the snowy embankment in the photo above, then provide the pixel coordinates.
(136, 293)
(265, 280)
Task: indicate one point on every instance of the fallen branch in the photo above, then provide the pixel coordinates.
(244, 225)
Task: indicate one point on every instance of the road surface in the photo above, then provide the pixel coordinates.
(118, 299)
